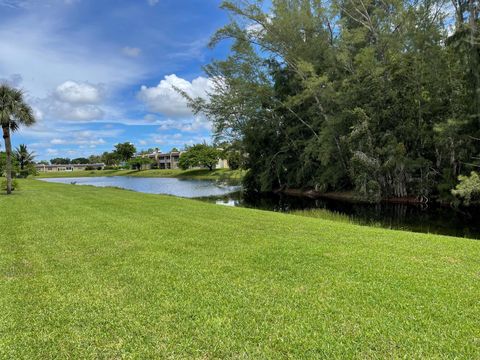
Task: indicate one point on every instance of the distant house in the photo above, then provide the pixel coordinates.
(170, 160)
(69, 167)
(165, 160)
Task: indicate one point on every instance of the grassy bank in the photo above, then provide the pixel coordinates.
(104, 273)
(218, 174)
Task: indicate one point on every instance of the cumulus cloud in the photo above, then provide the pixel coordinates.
(72, 100)
(131, 51)
(79, 113)
(164, 99)
(79, 93)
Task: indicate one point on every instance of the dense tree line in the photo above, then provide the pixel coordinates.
(377, 96)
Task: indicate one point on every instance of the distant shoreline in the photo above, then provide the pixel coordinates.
(202, 174)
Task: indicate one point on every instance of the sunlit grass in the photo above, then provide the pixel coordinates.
(90, 272)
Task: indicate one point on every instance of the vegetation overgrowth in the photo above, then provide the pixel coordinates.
(379, 98)
(88, 272)
(324, 214)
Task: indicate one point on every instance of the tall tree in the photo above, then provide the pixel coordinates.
(125, 151)
(14, 112)
(379, 97)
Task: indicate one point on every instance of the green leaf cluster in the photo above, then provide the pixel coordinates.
(382, 98)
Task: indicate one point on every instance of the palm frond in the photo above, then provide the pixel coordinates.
(14, 111)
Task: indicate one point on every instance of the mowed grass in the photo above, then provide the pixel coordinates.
(216, 174)
(104, 273)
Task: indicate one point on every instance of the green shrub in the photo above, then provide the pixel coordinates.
(23, 174)
(468, 189)
(3, 185)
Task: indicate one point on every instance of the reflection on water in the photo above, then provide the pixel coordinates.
(228, 202)
(419, 218)
(169, 186)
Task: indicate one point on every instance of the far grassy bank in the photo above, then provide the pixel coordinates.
(204, 174)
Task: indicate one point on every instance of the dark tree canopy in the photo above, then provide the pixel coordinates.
(80, 160)
(60, 161)
(382, 98)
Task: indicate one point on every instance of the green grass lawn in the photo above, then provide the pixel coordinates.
(88, 272)
(217, 174)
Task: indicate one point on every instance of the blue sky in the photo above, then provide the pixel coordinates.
(99, 72)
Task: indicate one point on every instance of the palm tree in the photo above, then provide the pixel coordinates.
(14, 112)
(23, 156)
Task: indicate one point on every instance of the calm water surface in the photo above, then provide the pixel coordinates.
(431, 219)
(169, 186)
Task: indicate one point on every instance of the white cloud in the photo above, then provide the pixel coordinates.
(80, 113)
(164, 99)
(79, 93)
(195, 124)
(177, 139)
(152, 2)
(71, 101)
(47, 57)
(70, 140)
(131, 51)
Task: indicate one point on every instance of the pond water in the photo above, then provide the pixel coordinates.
(431, 219)
(169, 186)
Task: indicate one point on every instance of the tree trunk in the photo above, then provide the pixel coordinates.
(8, 150)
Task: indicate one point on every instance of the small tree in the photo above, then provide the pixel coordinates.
(110, 158)
(23, 156)
(137, 163)
(199, 155)
(95, 159)
(468, 189)
(125, 151)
